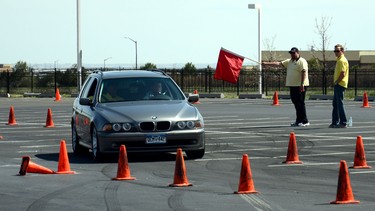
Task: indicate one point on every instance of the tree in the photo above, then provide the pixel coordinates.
(18, 76)
(270, 48)
(322, 30)
(189, 68)
(148, 66)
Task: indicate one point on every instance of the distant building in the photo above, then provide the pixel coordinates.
(6, 67)
(362, 59)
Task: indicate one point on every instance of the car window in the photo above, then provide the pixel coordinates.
(134, 89)
(89, 88)
(110, 91)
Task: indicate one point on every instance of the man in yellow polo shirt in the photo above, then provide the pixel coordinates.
(340, 79)
(298, 81)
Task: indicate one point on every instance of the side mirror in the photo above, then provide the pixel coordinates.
(193, 98)
(85, 101)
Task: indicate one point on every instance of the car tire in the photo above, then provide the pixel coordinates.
(95, 150)
(77, 148)
(195, 154)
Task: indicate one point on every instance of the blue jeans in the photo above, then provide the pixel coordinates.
(338, 112)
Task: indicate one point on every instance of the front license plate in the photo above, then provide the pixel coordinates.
(156, 139)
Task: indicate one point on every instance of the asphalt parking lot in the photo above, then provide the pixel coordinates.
(234, 127)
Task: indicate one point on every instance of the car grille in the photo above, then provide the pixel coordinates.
(155, 126)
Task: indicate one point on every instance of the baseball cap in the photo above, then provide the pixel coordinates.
(294, 50)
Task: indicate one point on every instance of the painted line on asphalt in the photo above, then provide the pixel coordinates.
(8, 165)
(257, 202)
(40, 146)
(27, 141)
(362, 172)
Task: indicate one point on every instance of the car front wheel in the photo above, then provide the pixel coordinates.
(95, 150)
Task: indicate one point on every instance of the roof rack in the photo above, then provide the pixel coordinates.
(160, 71)
(98, 71)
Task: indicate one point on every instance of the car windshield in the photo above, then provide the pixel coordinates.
(134, 89)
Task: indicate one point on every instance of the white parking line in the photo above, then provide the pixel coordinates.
(362, 172)
(39, 146)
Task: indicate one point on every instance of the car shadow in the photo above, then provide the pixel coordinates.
(111, 158)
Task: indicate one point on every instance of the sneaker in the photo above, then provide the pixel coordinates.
(338, 126)
(332, 126)
(304, 124)
(295, 124)
(342, 126)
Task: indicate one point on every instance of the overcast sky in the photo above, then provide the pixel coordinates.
(172, 31)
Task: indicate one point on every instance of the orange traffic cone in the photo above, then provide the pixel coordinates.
(27, 166)
(275, 99)
(123, 170)
(365, 101)
(359, 156)
(63, 166)
(196, 92)
(57, 95)
(292, 156)
(180, 178)
(49, 121)
(12, 118)
(344, 189)
(246, 185)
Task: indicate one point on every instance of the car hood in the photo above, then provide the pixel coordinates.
(145, 110)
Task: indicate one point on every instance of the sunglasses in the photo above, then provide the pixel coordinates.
(336, 51)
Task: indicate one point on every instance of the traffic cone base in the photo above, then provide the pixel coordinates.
(63, 165)
(275, 99)
(361, 167)
(246, 184)
(12, 118)
(344, 193)
(180, 178)
(123, 170)
(27, 166)
(49, 121)
(292, 155)
(346, 202)
(359, 156)
(245, 192)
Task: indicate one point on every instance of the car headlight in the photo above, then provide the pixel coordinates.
(126, 126)
(189, 124)
(181, 125)
(116, 127)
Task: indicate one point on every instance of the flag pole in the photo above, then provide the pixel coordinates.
(252, 60)
(239, 55)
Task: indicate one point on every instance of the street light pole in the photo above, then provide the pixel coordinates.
(136, 53)
(258, 7)
(55, 67)
(105, 61)
(79, 52)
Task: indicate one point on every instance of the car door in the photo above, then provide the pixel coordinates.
(84, 113)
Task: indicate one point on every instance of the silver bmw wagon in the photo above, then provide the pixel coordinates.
(144, 110)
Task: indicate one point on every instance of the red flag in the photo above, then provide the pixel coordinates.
(228, 66)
